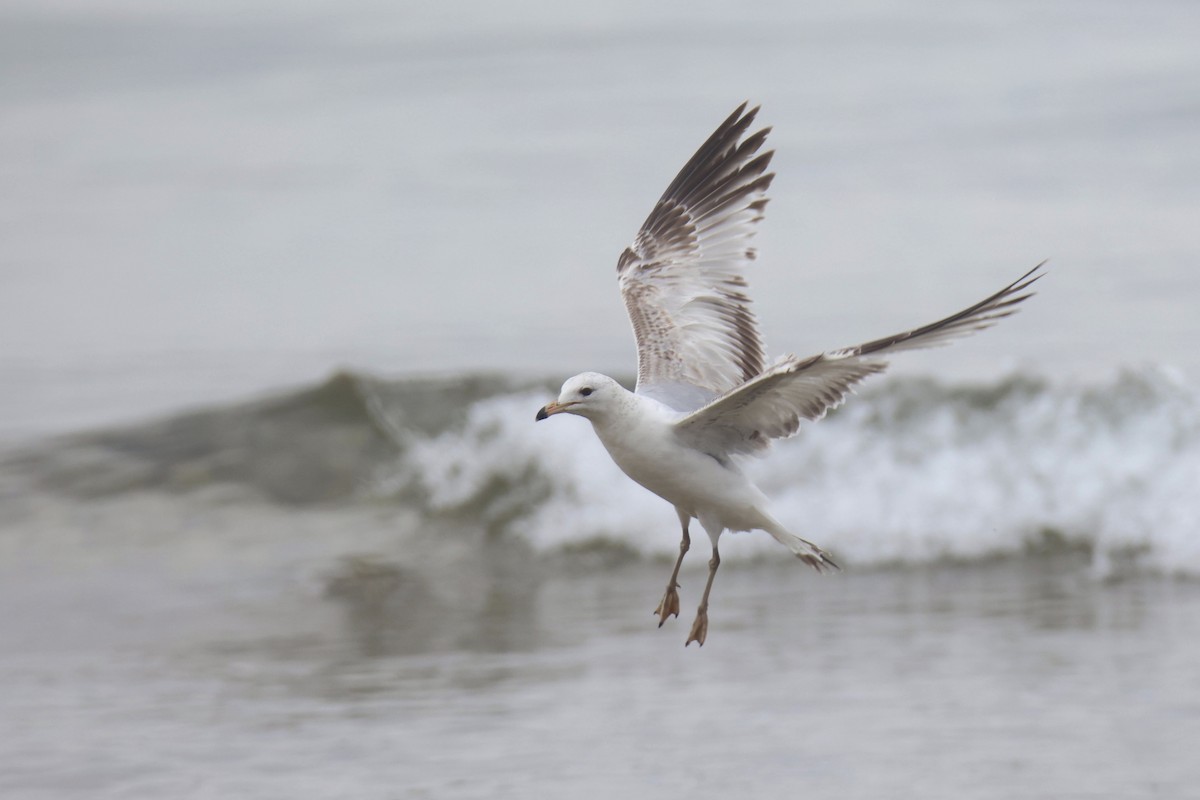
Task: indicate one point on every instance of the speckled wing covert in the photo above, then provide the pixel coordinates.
(771, 405)
(682, 278)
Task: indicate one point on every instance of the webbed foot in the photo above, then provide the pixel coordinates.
(669, 605)
(699, 628)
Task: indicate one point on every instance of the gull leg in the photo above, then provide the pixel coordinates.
(700, 626)
(670, 601)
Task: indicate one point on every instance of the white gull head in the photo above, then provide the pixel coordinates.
(589, 394)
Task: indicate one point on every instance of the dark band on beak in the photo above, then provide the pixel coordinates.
(541, 415)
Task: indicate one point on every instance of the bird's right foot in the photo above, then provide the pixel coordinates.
(669, 605)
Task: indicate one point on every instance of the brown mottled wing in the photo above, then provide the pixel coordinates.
(771, 405)
(682, 278)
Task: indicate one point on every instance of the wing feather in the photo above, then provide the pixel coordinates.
(682, 280)
(772, 404)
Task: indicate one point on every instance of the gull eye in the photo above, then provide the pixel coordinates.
(585, 391)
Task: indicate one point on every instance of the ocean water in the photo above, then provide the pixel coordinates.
(206, 204)
(282, 287)
(405, 588)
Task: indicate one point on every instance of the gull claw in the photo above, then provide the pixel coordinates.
(699, 629)
(669, 605)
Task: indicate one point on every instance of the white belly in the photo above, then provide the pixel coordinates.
(693, 481)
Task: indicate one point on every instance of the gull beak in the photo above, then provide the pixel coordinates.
(550, 409)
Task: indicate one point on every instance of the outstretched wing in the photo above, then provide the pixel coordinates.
(771, 405)
(682, 278)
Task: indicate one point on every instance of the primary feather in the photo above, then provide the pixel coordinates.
(682, 279)
(772, 404)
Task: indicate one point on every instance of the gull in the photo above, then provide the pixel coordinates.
(705, 395)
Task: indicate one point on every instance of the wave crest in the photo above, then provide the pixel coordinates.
(911, 472)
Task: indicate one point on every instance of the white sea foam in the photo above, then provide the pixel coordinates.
(913, 471)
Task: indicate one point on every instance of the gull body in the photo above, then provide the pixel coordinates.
(639, 434)
(705, 395)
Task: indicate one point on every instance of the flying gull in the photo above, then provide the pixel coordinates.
(705, 394)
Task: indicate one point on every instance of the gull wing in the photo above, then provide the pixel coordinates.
(682, 281)
(771, 405)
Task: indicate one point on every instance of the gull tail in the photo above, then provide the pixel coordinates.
(805, 550)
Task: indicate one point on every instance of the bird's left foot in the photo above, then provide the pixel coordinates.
(669, 605)
(699, 628)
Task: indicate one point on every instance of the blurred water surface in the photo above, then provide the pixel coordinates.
(206, 202)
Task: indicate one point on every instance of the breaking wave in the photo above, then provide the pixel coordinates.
(912, 471)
